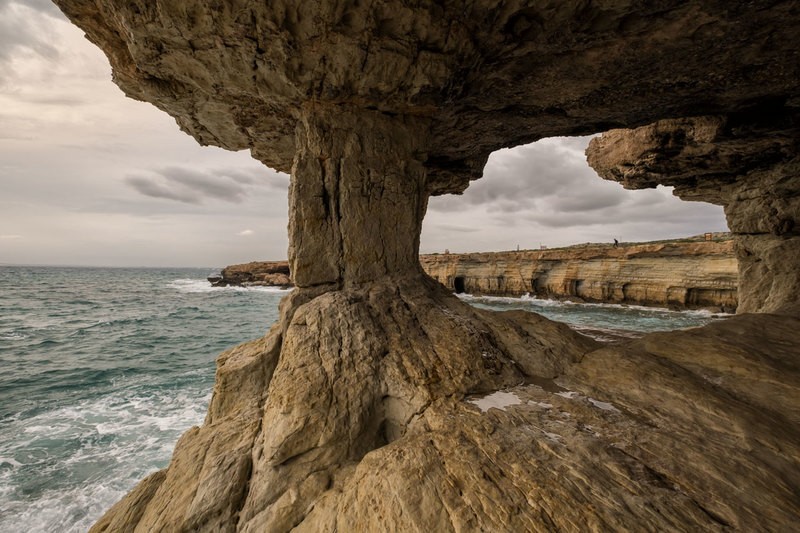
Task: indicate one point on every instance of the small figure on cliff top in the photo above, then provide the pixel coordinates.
(616, 243)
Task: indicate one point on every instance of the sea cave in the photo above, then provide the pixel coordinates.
(356, 411)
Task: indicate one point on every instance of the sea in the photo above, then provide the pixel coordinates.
(102, 369)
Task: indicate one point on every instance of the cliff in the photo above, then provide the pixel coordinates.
(265, 273)
(683, 274)
(356, 411)
(748, 163)
(691, 273)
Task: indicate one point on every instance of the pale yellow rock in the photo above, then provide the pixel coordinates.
(684, 274)
(747, 162)
(351, 414)
(688, 273)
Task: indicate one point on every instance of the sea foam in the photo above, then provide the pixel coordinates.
(203, 286)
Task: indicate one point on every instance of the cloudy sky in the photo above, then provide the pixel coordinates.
(89, 177)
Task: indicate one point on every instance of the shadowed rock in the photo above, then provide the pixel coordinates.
(351, 414)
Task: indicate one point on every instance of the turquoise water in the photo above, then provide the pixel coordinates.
(605, 322)
(101, 370)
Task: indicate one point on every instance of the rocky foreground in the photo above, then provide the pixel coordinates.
(356, 411)
(688, 274)
(679, 431)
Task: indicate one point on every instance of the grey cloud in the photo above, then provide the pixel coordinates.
(243, 177)
(192, 186)
(449, 203)
(575, 143)
(44, 6)
(517, 179)
(592, 202)
(206, 185)
(9, 136)
(53, 100)
(459, 229)
(17, 32)
(640, 208)
(152, 188)
(265, 177)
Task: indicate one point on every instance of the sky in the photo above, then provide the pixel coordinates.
(90, 177)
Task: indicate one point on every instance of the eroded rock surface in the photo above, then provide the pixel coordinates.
(484, 75)
(746, 162)
(680, 431)
(269, 273)
(686, 274)
(349, 415)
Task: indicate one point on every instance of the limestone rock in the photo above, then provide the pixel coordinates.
(675, 431)
(265, 273)
(747, 162)
(684, 274)
(627, 450)
(281, 432)
(349, 415)
(689, 273)
(483, 75)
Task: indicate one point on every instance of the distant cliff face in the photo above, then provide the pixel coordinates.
(684, 274)
(270, 273)
(746, 162)
(687, 274)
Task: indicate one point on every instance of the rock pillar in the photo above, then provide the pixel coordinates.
(357, 197)
(763, 212)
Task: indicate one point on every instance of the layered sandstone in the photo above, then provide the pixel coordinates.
(688, 274)
(350, 413)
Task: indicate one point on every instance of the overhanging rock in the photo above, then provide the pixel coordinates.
(351, 414)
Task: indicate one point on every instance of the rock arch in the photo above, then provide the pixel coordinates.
(351, 414)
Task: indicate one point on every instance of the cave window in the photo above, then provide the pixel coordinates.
(458, 284)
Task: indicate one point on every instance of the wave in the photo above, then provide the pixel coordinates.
(62, 468)
(200, 286)
(13, 336)
(546, 302)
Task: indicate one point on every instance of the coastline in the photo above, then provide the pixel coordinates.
(690, 273)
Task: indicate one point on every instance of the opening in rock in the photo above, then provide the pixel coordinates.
(458, 284)
(549, 228)
(579, 288)
(295, 429)
(545, 194)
